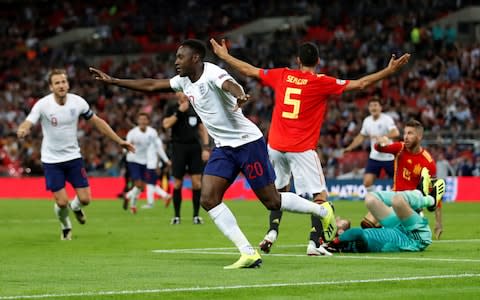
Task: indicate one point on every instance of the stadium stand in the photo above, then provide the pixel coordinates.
(137, 38)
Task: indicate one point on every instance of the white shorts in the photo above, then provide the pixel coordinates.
(304, 166)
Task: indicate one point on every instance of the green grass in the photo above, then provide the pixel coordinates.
(112, 254)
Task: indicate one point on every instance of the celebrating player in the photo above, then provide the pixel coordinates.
(300, 104)
(58, 113)
(239, 144)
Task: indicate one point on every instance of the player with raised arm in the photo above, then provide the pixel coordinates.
(239, 145)
(300, 104)
(143, 137)
(58, 113)
(377, 124)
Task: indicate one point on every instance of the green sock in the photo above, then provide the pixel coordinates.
(390, 221)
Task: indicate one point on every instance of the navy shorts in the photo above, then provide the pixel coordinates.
(376, 166)
(73, 171)
(137, 171)
(251, 159)
(151, 176)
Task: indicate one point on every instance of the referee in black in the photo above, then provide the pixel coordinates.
(190, 149)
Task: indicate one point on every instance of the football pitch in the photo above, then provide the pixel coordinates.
(117, 255)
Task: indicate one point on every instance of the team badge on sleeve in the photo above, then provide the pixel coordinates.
(341, 81)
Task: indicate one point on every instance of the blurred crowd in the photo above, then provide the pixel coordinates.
(440, 87)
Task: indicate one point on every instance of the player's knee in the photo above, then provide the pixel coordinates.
(62, 203)
(208, 201)
(273, 202)
(397, 201)
(84, 200)
(370, 200)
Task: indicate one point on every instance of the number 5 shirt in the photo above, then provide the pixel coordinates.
(300, 105)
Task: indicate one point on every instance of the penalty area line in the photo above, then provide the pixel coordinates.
(236, 287)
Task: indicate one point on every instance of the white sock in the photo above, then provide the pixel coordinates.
(76, 204)
(150, 194)
(272, 236)
(294, 203)
(161, 192)
(226, 222)
(62, 215)
(133, 194)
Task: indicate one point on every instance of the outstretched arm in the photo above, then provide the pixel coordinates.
(144, 85)
(104, 128)
(393, 66)
(357, 141)
(241, 66)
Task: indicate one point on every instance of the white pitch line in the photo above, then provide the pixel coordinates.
(217, 251)
(236, 287)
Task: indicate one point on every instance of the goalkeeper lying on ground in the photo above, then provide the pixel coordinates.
(403, 228)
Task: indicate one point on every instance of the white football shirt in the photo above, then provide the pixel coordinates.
(375, 128)
(215, 106)
(154, 150)
(59, 126)
(141, 140)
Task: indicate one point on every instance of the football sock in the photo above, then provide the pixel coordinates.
(390, 221)
(370, 189)
(62, 215)
(133, 194)
(161, 192)
(272, 235)
(150, 194)
(294, 203)
(177, 201)
(316, 230)
(196, 201)
(275, 218)
(226, 222)
(76, 204)
(417, 203)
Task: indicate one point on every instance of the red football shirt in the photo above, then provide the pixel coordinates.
(300, 104)
(408, 165)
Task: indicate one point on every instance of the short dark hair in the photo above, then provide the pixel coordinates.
(308, 54)
(375, 99)
(197, 46)
(143, 113)
(55, 72)
(415, 124)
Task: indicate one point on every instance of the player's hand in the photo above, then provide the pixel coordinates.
(383, 141)
(438, 231)
(99, 75)
(241, 100)
(396, 63)
(22, 132)
(169, 163)
(438, 223)
(183, 105)
(128, 146)
(205, 154)
(220, 50)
